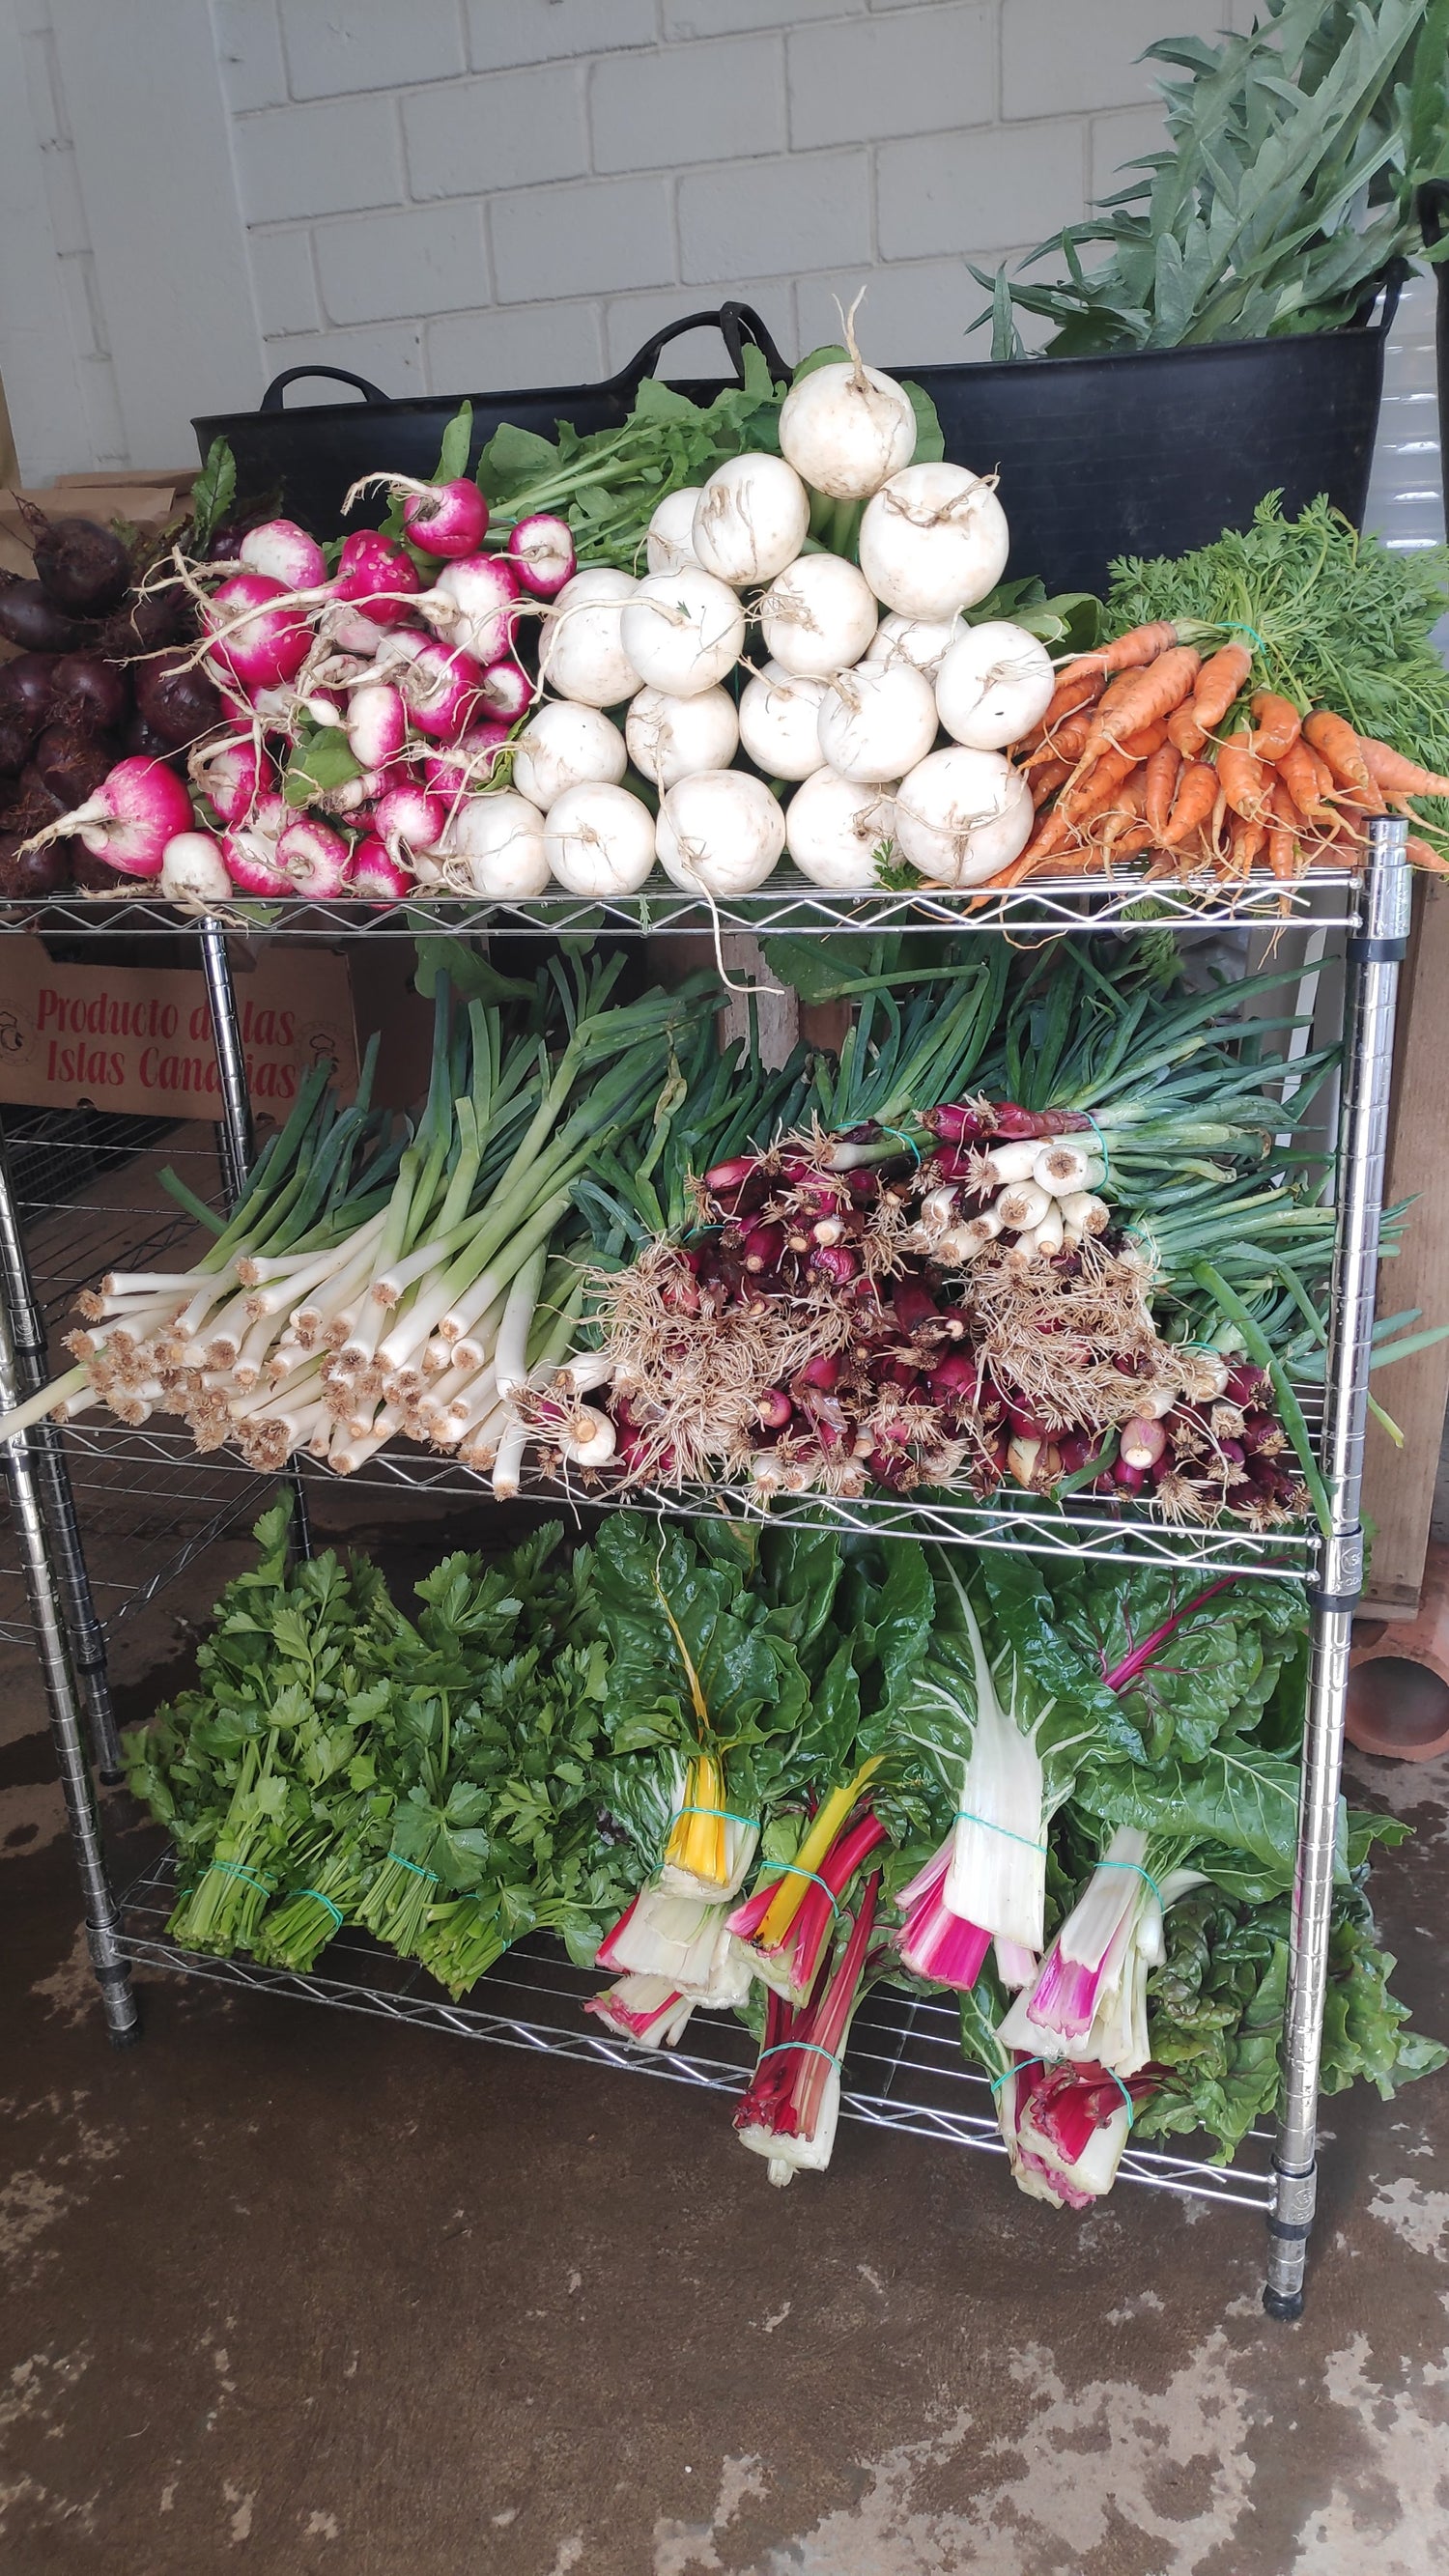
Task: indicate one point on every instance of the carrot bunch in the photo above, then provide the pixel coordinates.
(1131, 760)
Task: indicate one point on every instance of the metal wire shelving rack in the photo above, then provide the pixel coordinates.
(901, 2073)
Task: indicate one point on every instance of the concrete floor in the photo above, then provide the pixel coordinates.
(288, 2290)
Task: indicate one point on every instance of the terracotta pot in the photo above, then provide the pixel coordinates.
(1398, 1688)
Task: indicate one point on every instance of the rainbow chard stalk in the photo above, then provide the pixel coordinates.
(648, 2011)
(790, 2108)
(808, 1893)
(1088, 2001)
(1065, 2129)
(936, 1944)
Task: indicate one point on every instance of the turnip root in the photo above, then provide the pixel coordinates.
(779, 722)
(669, 538)
(933, 540)
(877, 722)
(818, 616)
(721, 831)
(962, 816)
(834, 828)
(582, 654)
(599, 840)
(994, 685)
(670, 738)
(923, 642)
(496, 842)
(846, 428)
(566, 745)
(682, 631)
(751, 519)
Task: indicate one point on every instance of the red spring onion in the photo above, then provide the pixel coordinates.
(1141, 1442)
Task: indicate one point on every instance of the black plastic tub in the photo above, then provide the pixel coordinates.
(1151, 452)
(315, 454)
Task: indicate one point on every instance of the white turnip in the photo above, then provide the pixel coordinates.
(599, 840)
(818, 616)
(750, 520)
(994, 685)
(834, 827)
(846, 427)
(780, 722)
(377, 724)
(877, 722)
(682, 631)
(566, 745)
(933, 540)
(671, 738)
(962, 816)
(921, 641)
(581, 654)
(669, 538)
(496, 842)
(720, 832)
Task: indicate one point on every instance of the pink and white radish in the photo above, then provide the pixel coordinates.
(994, 685)
(683, 631)
(475, 604)
(231, 776)
(496, 844)
(877, 722)
(671, 738)
(780, 722)
(599, 840)
(506, 691)
(669, 537)
(441, 518)
(261, 643)
(377, 724)
(375, 875)
(285, 553)
(750, 520)
(835, 826)
(377, 576)
(139, 806)
(541, 551)
(409, 819)
(818, 617)
(933, 540)
(582, 654)
(194, 871)
(316, 859)
(250, 849)
(963, 815)
(440, 684)
(467, 764)
(720, 831)
(566, 745)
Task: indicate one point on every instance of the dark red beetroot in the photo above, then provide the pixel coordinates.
(17, 734)
(140, 743)
(144, 624)
(27, 874)
(31, 619)
(27, 687)
(71, 764)
(82, 567)
(90, 691)
(178, 703)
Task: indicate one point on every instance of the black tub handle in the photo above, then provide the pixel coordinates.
(1432, 206)
(1390, 286)
(732, 321)
(272, 398)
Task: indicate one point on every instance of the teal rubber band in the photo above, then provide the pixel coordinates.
(811, 2047)
(413, 1865)
(1141, 1872)
(233, 1869)
(792, 1869)
(1233, 627)
(726, 1815)
(338, 1917)
(1121, 2087)
(965, 1817)
(1106, 1148)
(997, 2081)
(911, 1148)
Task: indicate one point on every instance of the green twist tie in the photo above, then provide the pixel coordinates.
(233, 1869)
(338, 1917)
(810, 2047)
(1122, 2089)
(417, 1871)
(965, 1817)
(1142, 1873)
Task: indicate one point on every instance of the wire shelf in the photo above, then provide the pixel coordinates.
(1123, 901)
(904, 2067)
(160, 1455)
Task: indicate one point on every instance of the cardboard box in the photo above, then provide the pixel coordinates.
(138, 1039)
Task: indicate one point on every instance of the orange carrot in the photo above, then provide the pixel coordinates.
(1127, 652)
(1306, 774)
(1340, 747)
(1140, 837)
(1397, 776)
(1242, 779)
(1193, 804)
(1162, 770)
(1184, 731)
(1284, 857)
(1424, 857)
(1045, 781)
(1146, 695)
(1278, 724)
(1219, 682)
(1095, 784)
(1142, 745)
(1050, 834)
(1245, 840)
(1066, 740)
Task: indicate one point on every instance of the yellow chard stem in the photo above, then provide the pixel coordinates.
(790, 1894)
